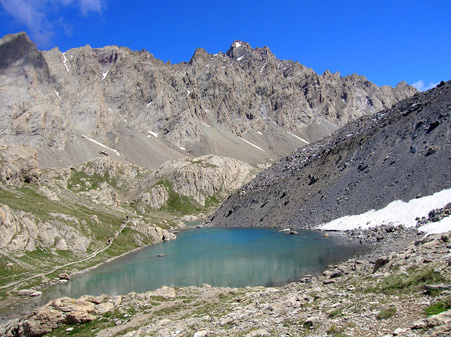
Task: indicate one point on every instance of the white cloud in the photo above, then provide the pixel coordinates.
(29, 13)
(33, 14)
(419, 85)
(95, 6)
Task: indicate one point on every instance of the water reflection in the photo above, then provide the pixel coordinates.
(236, 257)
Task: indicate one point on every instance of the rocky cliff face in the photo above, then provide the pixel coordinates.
(245, 104)
(205, 177)
(398, 153)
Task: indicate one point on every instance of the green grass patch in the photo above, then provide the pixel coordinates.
(335, 313)
(408, 283)
(440, 306)
(387, 312)
(81, 181)
(176, 203)
(336, 331)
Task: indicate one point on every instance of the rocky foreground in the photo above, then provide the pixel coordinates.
(403, 293)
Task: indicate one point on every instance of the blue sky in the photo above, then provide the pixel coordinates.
(387, 41)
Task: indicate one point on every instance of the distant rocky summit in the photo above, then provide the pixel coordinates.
(245, 104)
(399, 153)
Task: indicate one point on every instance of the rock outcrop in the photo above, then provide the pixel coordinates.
(70, 106)
(204, 177)
(18, 165)
(396, 154)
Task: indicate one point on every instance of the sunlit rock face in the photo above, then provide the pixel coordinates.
(241, 104)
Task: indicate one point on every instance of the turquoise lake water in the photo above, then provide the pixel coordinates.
(229, 257)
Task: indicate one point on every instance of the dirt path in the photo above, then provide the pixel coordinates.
(93, 255)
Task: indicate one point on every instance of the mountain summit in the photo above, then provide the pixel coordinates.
(245, 104)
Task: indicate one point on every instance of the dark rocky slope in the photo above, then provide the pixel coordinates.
(399, 153)
(150, 112)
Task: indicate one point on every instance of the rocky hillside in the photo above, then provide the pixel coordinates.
(398, 153)
(65, 219)
(244, 103)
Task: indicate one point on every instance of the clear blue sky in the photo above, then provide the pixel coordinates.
(387, 41)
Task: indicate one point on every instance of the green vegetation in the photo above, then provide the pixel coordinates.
(81, 181)
(401, 283)
(386, 313)
(440, 306)
(335, 313)
(336, 331)
(177, 203)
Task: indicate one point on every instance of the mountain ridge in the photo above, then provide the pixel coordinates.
(141, 107)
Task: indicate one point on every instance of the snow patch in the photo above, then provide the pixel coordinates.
(104, 74)
(182, 148)
(240, 58)
(259, 133)
(188, 92)
(153, 134)
(441, 226)
(149, 103)
(58, 95)
(244, 140)
(397, 213)
(205, 124)
(110, 109)
(301, 139)
(261, 70)
(237, 44)
(98, 143)
(65, 61)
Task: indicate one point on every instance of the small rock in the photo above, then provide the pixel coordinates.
(64, 276)
(419, 325)
(259, 332)
(400, 331)
(25, 292)
(439, 319)
(379, 263)
(312, 322)
(36, 293)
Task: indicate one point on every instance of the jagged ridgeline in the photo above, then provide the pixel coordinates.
(245, 104)
(397, 154)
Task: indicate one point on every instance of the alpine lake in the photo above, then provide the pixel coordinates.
(220, 257)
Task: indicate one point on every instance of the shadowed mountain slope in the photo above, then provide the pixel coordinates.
(399, 153)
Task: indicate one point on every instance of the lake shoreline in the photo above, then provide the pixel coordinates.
(338, 296)
(375, 248)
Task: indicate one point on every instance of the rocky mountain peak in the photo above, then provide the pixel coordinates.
(239, 49)
(149, 111)
(200, 55)
(14, 47)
